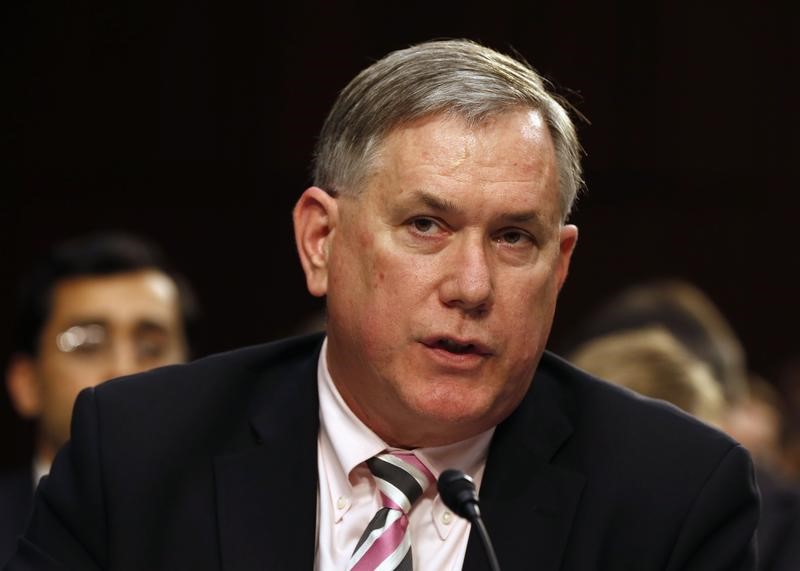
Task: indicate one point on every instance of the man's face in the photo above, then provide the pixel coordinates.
(101, 327)
(442, 277)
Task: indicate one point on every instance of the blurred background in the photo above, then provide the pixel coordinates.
(192, 124)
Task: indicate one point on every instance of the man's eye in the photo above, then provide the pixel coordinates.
(151, 349)
(513, 237)
(423, 225)
(89, 348)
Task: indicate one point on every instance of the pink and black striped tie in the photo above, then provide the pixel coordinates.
(385, 545)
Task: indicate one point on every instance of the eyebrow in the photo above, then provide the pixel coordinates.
(438, 204)
(85, 322)
(145, 324)
(148, 325)
(449, 207)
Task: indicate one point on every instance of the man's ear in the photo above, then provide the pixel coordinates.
(567, 240)
(315, 217)
(23, 386)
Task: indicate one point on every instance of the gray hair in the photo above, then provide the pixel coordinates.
(454, 77)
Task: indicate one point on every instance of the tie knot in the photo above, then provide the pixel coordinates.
(401, 478)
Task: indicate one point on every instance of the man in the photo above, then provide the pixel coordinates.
(436, 229)
(93, 308)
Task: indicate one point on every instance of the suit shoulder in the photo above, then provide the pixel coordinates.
(16, 495)
(615, 418)
(230, 375)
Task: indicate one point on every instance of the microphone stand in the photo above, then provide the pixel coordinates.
(494, 565)
(458, 493)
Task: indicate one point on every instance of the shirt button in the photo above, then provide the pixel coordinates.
(341, 503)
(447, 517)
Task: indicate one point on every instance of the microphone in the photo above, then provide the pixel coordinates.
(458, 493)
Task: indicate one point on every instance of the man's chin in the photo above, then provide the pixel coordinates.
(437, 423)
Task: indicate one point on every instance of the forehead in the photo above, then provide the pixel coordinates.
(511, 151)
(125, 297)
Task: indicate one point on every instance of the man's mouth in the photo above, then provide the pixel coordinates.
(458, 347)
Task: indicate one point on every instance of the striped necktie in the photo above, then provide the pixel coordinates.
(385, 545)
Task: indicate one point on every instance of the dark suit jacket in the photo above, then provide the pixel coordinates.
(213, 465)
(16, 498)
(779, 526)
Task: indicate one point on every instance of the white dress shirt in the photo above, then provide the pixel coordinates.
(41, 468)
(348, 497)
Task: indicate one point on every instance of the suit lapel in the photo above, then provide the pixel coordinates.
(527, 502)
(266, 493)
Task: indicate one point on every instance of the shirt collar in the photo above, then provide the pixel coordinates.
(348, 440)
(41, 468)
(469, 456)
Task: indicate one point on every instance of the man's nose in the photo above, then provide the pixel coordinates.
(123, 361)
(468, 283)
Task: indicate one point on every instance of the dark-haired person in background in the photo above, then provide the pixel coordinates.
(91, 309)
(437, 231)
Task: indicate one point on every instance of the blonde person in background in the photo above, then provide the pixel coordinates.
(667, 339)
(653, 363)
(687, 313)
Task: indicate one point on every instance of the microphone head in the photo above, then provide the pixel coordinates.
(458, 493)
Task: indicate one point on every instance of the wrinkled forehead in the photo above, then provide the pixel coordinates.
(524, 124)
(513, 146)
(473, 122)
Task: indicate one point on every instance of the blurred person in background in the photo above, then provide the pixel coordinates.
(91, 309)
(788, 385)
(612, 343)
(758, 422)
(651, 362)
(685, 312)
